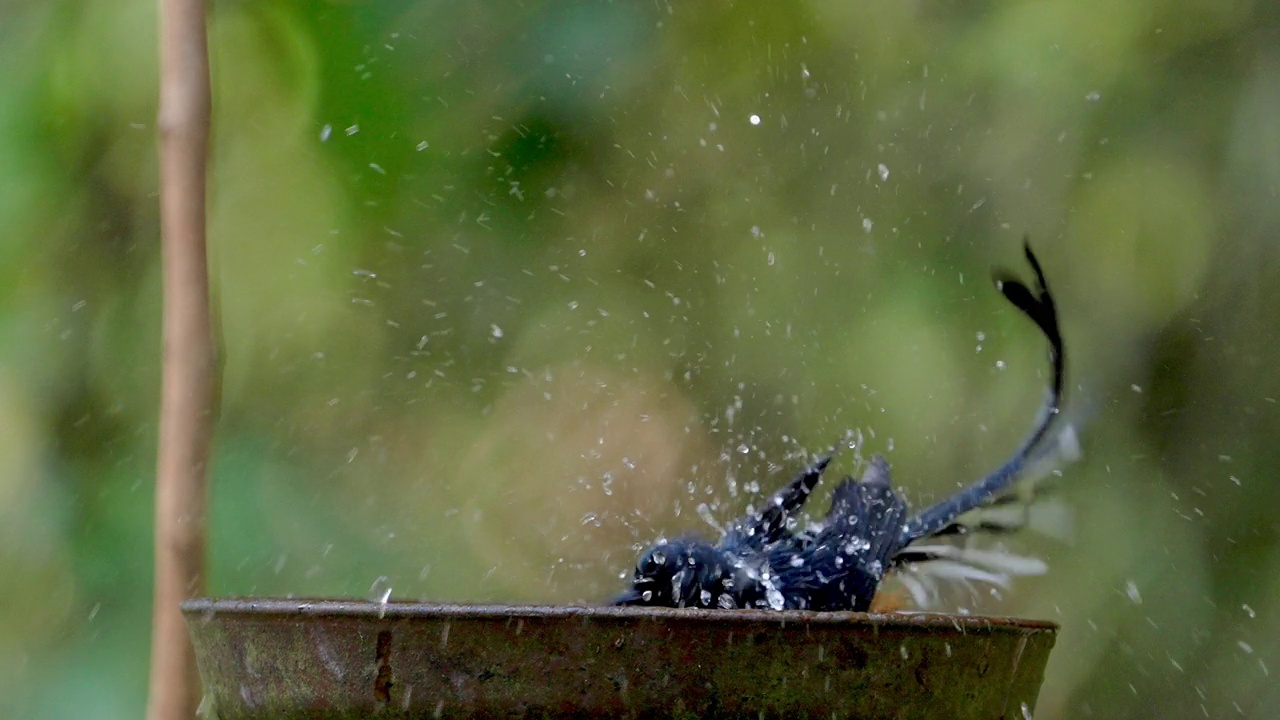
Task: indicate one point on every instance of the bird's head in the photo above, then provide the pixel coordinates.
(677, 573)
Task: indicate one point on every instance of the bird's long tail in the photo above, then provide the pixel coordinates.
(1037, 304)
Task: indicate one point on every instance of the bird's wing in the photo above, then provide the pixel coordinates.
(760, 528)
(840, 566)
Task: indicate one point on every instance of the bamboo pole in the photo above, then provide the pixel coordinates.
(188, 385)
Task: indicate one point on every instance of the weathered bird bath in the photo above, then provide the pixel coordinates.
(295, 659)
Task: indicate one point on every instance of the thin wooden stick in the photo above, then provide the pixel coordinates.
(188, 389)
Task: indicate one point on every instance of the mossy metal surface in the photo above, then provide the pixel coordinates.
(266, 658)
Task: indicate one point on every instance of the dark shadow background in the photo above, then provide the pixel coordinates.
(508, 290)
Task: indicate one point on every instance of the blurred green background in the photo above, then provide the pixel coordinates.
(508, 289)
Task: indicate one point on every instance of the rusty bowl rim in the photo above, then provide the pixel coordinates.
(331, 608)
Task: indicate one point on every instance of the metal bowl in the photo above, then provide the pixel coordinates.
(273, 658)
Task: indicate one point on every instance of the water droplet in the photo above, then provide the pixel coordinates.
(1131, 589)
(856, 545)
(380, 592)
(773, 596)
(704, 512)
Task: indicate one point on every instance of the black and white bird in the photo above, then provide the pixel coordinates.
(869, 531)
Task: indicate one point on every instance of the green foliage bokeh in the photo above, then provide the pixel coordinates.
(508, 290)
